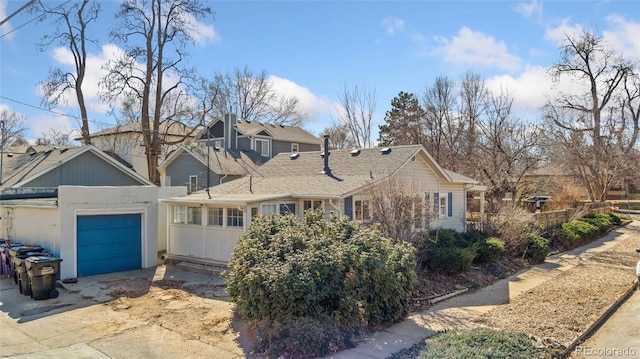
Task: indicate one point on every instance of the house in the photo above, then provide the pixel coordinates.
(198, 167)
(83, 206)
(265, 138)
(206, 226)
(125, 142)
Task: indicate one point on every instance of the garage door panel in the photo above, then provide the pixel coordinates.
(109, 243)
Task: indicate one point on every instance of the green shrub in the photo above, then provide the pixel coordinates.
(538, 248)
(489, 250)
(287, 270)
(452, 260)
(583, 229)
(478, 343)
(615, 219)
(601, 221)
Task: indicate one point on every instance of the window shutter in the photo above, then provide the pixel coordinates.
(450, 204)
(348, 207)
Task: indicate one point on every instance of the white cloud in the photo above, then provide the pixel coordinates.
(94, 73)
(624, 36)
(202, 33)
(6, 28)
(476, 48)
(392, 24)
(529, 9)
(558, 35)
(528, 89)
(318, 109)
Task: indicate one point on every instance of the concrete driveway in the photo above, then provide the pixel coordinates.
(162, 312)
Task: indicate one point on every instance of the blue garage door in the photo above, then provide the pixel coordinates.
(109, 243)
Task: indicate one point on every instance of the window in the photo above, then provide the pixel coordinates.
(178, 214)
(267, 209)
(307, 205)
(262, 147)
(254, 213)
(287, 208)
(234, 217)
(215, 216)
(295, 147)
(362, 210)
(443, 207)
(193, 183)
(194, 215)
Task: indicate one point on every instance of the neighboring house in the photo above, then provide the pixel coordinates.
(266, 139)
(207, 226)
(201, 167)
(125, 142)
(552, 180)
(83, 206)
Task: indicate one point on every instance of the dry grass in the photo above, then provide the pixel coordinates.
(563, 308)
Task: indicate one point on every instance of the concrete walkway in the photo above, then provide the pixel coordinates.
(460, 312)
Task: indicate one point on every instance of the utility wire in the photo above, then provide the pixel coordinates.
(28, 22)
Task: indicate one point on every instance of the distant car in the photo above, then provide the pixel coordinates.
(538, 200)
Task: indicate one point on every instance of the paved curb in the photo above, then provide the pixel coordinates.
(592, 328)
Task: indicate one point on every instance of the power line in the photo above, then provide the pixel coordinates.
(17, 11)
(28, 22)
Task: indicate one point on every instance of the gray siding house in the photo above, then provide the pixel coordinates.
(188, 166)
(266, 139)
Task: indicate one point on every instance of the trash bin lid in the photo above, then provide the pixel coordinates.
(25, 249)
(43, 259)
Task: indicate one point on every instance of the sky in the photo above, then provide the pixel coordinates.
(314, 49)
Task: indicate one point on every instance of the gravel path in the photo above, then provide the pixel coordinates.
(563, 308)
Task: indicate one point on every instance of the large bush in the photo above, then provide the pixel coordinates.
(333, 278)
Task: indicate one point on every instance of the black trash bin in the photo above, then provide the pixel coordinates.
(20, 251)
(42, 273)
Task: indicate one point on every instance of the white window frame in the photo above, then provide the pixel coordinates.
(295, 147)
(178, 214)
(235, 218)
(443, 206)
(194, 219)
(220, 216)
(313, 204)
(267, 209)
(268, 144)
(360, 215)
(191, 177)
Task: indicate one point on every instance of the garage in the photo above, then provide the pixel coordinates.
(108, 243)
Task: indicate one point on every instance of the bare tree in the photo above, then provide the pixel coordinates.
(155, 34)
(412, 212)
(339, 136)
(70, 24)
(595, 127)
(505, 149)
(444, 132)
(13, 128)
(358, 108)
(54, 138)
(253, 98)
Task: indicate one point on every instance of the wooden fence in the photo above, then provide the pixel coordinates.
(551, 218)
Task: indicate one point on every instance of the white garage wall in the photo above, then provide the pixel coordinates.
(29, 224)
(80, 200)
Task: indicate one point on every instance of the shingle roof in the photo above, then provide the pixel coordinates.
(230, 162)
(302, 176)
(22, 167)
(167, 127)
(278, 132)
